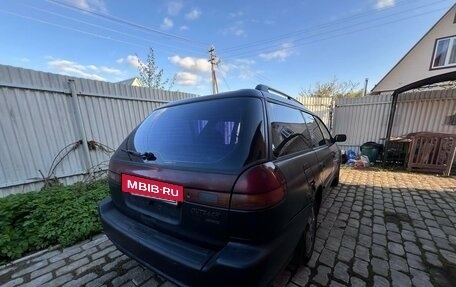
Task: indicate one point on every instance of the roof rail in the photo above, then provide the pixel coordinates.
(268, 89)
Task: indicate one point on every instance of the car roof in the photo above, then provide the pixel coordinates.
(261, 91)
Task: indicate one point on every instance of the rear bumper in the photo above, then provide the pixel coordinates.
(186, 264)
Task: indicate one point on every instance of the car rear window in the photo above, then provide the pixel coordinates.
(221, 134)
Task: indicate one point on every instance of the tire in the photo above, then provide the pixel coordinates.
(308, 238)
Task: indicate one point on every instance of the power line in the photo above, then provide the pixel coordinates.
(105, 28)
(273, 47)
(127, 22)
(322, 26)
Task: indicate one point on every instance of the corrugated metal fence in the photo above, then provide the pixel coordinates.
(41, 113)
(366, 119)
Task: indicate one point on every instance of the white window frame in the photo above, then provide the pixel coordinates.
(446, 63)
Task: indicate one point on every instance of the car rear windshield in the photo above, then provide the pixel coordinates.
(220, 134)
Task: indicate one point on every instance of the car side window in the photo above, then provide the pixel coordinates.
(314, 129)
(288, 130)
(324, 130)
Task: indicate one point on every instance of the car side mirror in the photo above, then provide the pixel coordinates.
(340, 138)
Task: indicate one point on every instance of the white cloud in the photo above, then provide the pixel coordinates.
(131, 60)
(236, 29)
(91, 5)
(284, 51)
(194, 14)
(174, 7)
(236, 14)
(186, 79)
(25, 60)
(191, 64)
(184, 28)
(167, 24)
(381, 4)
(85, 71)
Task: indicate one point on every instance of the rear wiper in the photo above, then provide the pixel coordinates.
(146, 155)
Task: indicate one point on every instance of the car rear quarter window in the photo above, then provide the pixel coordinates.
(324, 131)
(288, 130)
(314, 129)
(220, 134)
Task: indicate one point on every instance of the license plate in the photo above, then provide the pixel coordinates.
(152, 188)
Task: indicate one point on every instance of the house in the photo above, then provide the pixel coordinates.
(434, 54)
(131, 82)
(427, 114)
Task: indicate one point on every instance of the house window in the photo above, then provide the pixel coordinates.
(444, 53)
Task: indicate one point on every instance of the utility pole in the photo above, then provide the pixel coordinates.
(365, 87)
(214, 62)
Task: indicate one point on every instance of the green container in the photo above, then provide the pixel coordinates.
(371, 152)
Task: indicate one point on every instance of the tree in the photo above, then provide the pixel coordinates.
(150, 75)
(335, 89)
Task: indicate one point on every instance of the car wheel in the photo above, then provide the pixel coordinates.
(309, 236)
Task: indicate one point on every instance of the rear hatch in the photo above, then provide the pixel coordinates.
(175, 172)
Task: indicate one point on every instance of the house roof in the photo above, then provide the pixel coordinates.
(391, 82)
(131, 82)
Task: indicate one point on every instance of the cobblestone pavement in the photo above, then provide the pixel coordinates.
(376, 228)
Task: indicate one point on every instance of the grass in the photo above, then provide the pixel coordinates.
(62, 215)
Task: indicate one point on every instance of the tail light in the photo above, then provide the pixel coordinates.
(113, 172)
(259, 187)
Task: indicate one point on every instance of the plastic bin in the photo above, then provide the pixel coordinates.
(371, 150)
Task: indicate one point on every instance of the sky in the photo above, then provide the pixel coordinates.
(289, 45)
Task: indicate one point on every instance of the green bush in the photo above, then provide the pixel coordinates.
(60, 215)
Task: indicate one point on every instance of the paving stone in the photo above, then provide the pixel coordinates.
(396, 248)
(379, 239)
(350, 242)
(443, 243)
(327, 257)
(380, 266)
(449, 256)
(155, 282)
(102, 279)
(394, 236)
(13, 283)
(423, 234)
(392, 227)
(379, 251)
(408, 235)
(46, 255)
(67, 252)
(333, 243)
(49, 268)
(398, 263)
(118, 261)
(118, 281)
(322, 276)
(302, 276)
(72, 266)
(92, 264)
(378, 228)
(356, 282)
(428, 245)
(341, 272)
(81, 281)
(345, 254)
(94, 242)
(420, 278)
(400, 279)
(59, 281)
(412, 248)
(38, 281)
(117, 253)
(360, 267)
(336, 284)
(380, 281)
(362, 252)
(105, 244)
(103, 252)
(313, 259)
(365, 240)
(433, 259)
(84, 253)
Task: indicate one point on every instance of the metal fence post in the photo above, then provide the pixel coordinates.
(80, 123)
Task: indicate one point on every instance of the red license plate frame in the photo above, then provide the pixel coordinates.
(146, 187)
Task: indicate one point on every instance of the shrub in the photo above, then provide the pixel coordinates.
(60, 215)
